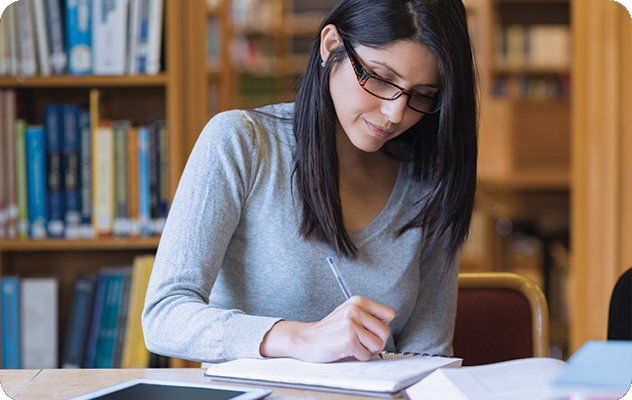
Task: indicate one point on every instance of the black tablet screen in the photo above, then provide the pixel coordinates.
(161, 392)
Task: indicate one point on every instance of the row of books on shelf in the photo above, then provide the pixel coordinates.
(533, 87)
(103, 329)
(102, 37)
(539, 46)
(76, 178)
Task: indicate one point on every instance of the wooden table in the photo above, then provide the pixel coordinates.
(55, 384)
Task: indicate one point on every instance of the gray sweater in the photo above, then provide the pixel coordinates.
(231, 263)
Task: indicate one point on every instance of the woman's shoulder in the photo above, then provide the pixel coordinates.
(275, 117)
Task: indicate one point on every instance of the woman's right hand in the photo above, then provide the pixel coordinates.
(358, 328)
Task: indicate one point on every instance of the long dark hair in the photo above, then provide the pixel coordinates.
(444, 145)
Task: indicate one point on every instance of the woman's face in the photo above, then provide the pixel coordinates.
(370, 122)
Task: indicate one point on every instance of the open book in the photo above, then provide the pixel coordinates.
(377, 377)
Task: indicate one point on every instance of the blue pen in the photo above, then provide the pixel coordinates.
(341, 282)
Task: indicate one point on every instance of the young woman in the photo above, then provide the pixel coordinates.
(374, 164)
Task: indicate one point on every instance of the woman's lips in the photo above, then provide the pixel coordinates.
(378, 132)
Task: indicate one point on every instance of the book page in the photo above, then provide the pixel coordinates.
(383, 375)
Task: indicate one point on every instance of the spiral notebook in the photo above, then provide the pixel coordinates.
(379, 377)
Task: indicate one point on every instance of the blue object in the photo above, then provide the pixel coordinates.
(600, 364)
(10, 322)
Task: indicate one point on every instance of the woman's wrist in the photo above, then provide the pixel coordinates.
(281, 340)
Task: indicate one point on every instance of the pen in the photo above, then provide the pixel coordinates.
(341, 282)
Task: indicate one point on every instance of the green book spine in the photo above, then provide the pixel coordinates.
(20, 167)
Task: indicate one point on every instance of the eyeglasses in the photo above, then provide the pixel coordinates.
(386, 90)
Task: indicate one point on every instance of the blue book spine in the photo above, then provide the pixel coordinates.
(56, 202)
(10, 322)
(144, 214)
(95, 323)
(79, 36)
(118, 281)
(164, 189)
(77, 328)
(143, 36)
(101, 359)
(70, 166)
(36, 181)
(56, 44)
(85, 142)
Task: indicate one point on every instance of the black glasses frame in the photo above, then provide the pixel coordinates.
(363, 76)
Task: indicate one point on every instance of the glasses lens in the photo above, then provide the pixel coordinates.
(423, 103)
(381, 88)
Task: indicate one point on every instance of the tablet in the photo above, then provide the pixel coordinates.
(170, 390)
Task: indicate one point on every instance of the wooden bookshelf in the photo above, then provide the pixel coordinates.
(166, 95)
(62, 81)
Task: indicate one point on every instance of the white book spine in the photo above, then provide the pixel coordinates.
(42, 37)
(154, 42)
(12, 34)
(39, 322)
(133, 36)
(28, 58)
(104, 180)
(109, 36)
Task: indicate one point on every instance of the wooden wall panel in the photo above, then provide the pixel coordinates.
(601, 240)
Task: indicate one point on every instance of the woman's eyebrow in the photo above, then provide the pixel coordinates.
(388, 67)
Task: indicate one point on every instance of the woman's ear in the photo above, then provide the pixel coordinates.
(329, 40)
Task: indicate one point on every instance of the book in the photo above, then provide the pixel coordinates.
(54, 24)
(4, 45)
(28, 58)
(38, 322)
(377, 377)
(110, 316)
(78, 325)
(11, 204)
(150, 64)
(79, 36)
(10, 295)
(56, 194)
(70, 167)
(143, 35)
(95, 322)
(164, 189)
(43, 53)
(36, 181)
(132, 177)
(103, 178)
(13, 50)
(154, 179)
(522, 379)
(85, 174)
(133, 35)
(3, 171)
(121, 225)
(599, 367)
(21, 182)
(121, 322)
(109, 36)
(135, 354)
(144, 191)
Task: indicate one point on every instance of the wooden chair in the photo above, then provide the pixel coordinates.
(500, 317)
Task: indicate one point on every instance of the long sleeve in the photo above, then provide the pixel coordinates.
(177, 318)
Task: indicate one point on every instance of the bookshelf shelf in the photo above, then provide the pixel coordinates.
(61, 245)
(531, 70)
(530, 180)
(62, 81)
